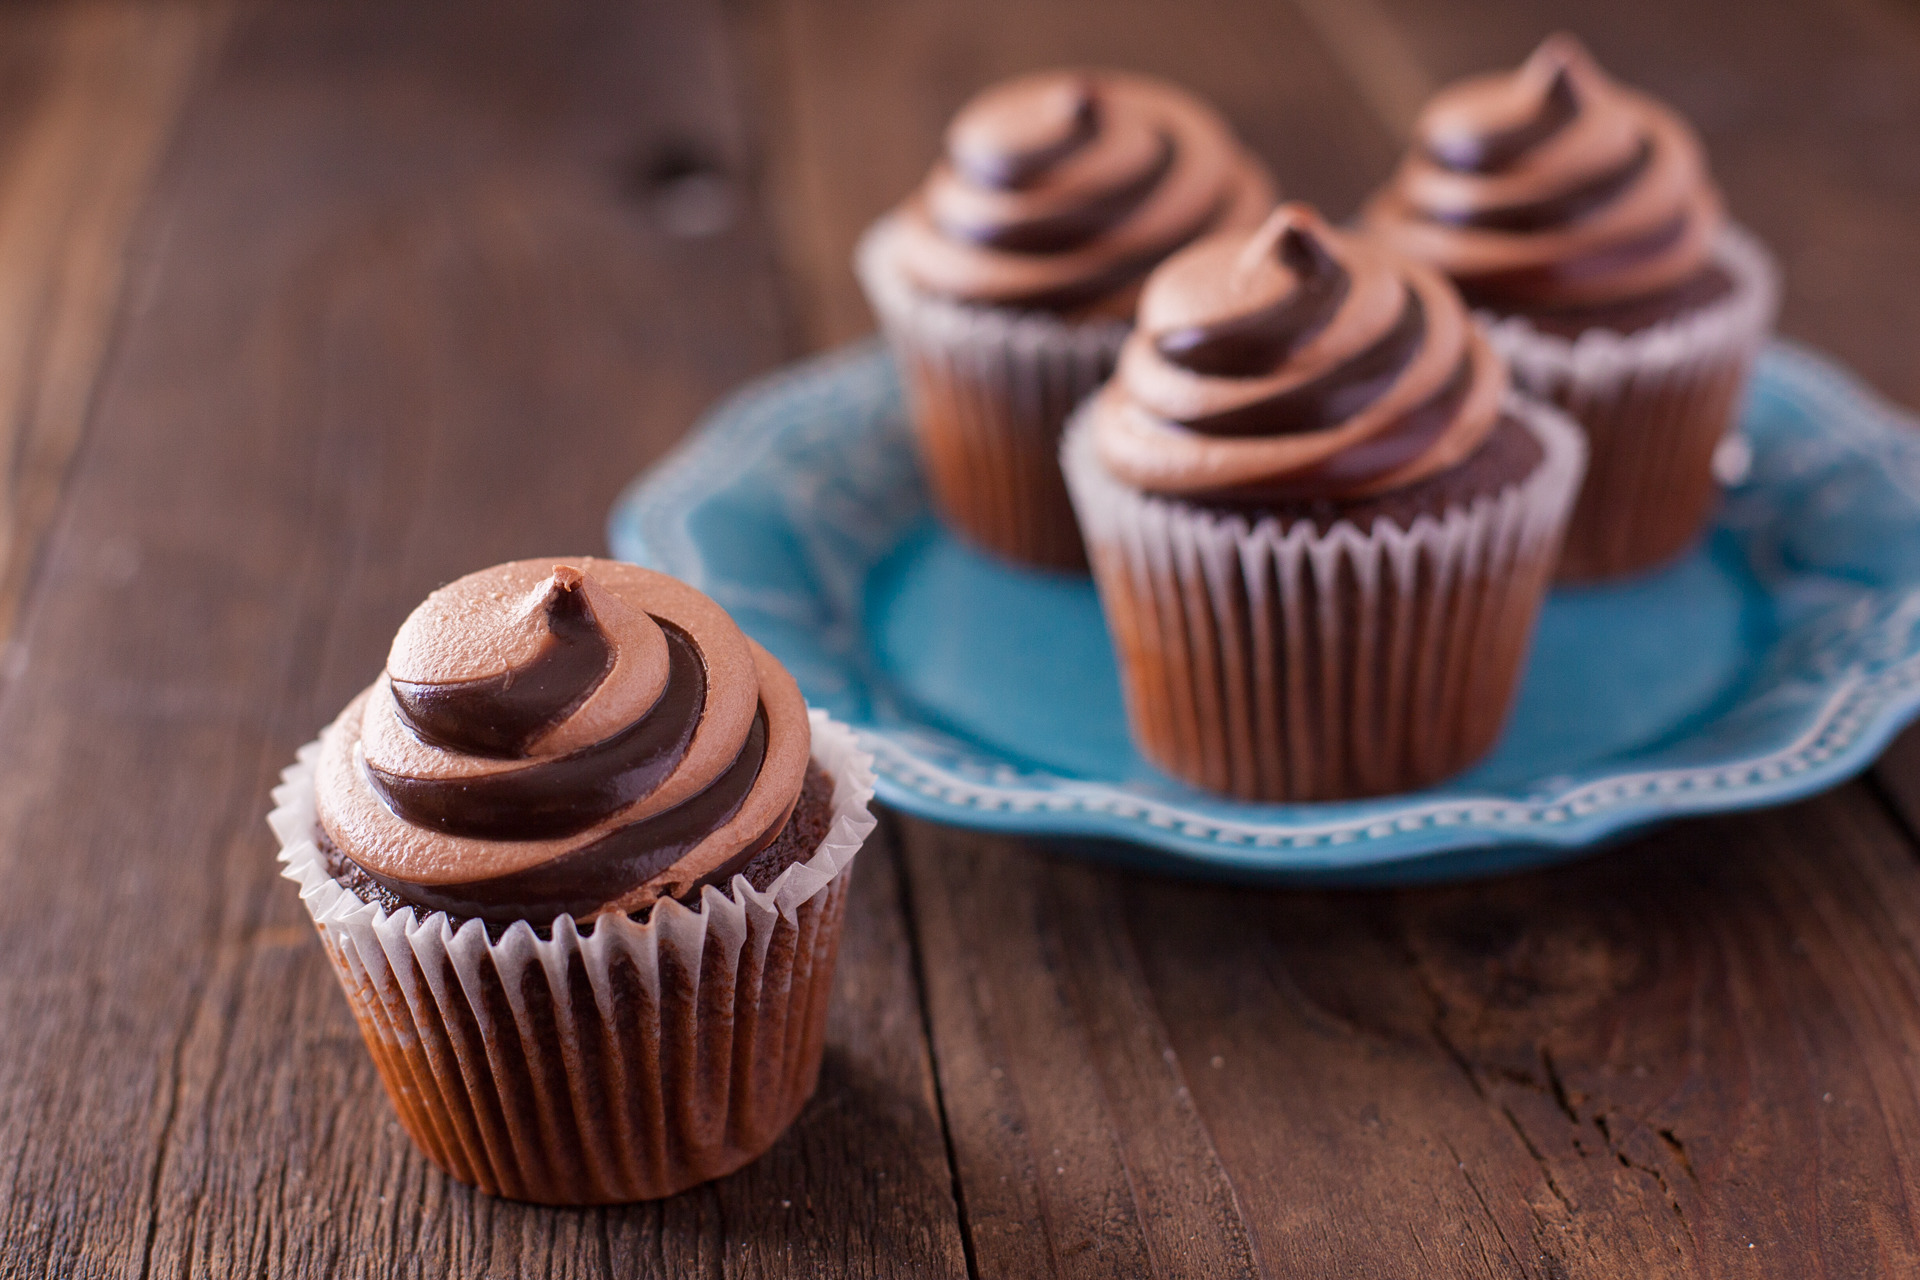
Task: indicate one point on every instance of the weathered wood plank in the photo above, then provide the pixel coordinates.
(427, 285)
(1692, 1056)
(91, 92)
(1079, 1147)
(1896, 775)
(859, 94)
(1694, 1046)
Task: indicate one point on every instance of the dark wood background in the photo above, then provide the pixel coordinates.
(308, 307)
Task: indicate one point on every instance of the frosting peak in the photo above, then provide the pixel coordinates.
(575, 736)
(1488, 125)
(1552, 186)
(1060, 188)
(496, 681)
(1010, 136)
(1280, 290)
(1300, 362)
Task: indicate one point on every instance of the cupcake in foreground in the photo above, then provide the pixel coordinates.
(579, 857)
(1006, 281)
(1579, 216)
(1320, 523)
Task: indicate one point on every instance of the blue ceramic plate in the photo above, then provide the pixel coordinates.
(1774, 661)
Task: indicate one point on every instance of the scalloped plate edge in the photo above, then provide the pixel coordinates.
(651, 523)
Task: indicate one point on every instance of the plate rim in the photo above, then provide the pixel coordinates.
(652, 518)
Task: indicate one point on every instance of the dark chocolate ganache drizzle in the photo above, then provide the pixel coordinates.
(563, 737)
(1299, 362)
(1553, 187)
(1061, 188)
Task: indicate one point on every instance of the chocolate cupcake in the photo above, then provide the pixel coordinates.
(1579, 217)
(579, 857)
(1006, 282)
(1320, 524)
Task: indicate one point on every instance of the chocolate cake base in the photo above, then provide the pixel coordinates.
(1713, 283)
(807, 826)
(1508, 455)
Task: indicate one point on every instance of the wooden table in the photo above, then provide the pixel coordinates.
(308, 307)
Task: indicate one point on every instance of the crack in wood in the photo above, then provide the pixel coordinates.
(1628, 1162)
(1679, 1150)
(176, 1085)
(916, 956)
(1558, 1088)
(1539, 1158)
(1485, 1208)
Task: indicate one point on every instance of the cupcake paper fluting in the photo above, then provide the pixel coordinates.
(989, 389)
(1655, 406)
(628, 1064)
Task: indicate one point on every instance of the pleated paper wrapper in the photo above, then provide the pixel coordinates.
(626, 1065)
(989, 389)
(1283, 663)
(1655, 405)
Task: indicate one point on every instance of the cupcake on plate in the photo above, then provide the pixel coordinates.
(1320, 523)
(1579, 217)
(579, 857)
(1005, 283)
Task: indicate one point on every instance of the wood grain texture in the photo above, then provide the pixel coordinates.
(423, 293)
(1691, 1057)
(1896, 776)
(857, 93)
(91, 94)
(1079, 1150)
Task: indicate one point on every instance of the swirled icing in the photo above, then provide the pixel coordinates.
(1297, 362)
(572, 735)
(1552, 186)
(1059, 188)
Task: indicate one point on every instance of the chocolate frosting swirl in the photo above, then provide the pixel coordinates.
(574, 736)
(1061, 188)
(1297, 363)
(1552, 186)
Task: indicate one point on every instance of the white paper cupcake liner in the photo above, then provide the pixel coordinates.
(1655, 406)
(1279, 662)
(625, 1065)
(989, 389)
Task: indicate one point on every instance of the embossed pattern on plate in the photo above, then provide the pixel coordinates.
(1775, 660)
